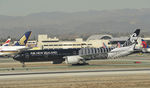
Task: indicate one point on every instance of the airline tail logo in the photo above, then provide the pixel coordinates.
(24, 39)
(144, 44)
(132, 38)
(118, 45)
(7, 42)
(104, 45)
(134, 35)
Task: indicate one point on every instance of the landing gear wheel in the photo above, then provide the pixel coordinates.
(80, 64)
(23, 64)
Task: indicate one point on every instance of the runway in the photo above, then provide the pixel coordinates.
(73, 73)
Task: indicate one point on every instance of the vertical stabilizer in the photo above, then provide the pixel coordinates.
(104, 45)
(118, 45)
(23, 40)
(7, 42)
(133, 38)
(144, 44)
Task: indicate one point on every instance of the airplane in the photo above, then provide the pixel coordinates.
(7, 42)
(18, 46)
(145, 48)
(76, 56)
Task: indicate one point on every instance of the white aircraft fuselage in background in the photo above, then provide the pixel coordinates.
(11, 50)
(18, 46)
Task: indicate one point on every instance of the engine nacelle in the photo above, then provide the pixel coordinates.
(73, 59)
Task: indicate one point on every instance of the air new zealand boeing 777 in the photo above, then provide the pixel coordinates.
(76, 56)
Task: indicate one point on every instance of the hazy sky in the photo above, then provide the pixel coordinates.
(25, 7)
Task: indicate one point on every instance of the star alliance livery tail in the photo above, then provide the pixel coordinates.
(23, 40)
(7, 42)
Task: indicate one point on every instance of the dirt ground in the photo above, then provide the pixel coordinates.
(109, 81)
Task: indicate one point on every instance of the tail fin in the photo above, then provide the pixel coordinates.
(133, 38)
(7, 42)
(144, 44)
(104, 45)
(23, 40)
(118, 45)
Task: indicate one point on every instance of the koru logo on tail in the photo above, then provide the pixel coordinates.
(132, 37)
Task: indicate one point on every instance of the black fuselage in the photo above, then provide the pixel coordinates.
(55, 55)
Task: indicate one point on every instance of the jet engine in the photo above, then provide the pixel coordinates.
(73, 59)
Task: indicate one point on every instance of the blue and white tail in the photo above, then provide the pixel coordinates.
(23, 40)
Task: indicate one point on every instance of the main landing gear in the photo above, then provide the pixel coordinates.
(81, 63)
(23, 64)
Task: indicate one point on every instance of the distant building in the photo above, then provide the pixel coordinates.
(94, 41)
(44, 42)
(32, 43)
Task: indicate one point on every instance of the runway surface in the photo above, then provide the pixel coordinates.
(111, 73)
(73, 73)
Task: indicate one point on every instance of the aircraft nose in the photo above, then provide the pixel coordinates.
(16, 57)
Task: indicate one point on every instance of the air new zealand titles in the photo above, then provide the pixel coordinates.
(55, 55)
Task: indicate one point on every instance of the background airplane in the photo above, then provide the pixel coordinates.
(145, 48)
(7, 42)
(18, 46)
